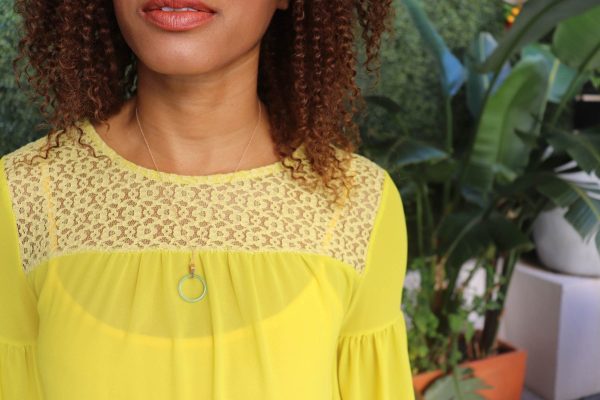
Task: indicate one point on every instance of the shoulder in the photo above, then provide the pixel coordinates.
(20, 173)
(26, 151)
(25, 179)
(376, 193)
(355, 221)
(23, 198)
(25, 164)
(370, 179)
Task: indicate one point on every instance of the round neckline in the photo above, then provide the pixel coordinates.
(108, 151)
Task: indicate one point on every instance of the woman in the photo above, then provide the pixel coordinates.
(197, 225)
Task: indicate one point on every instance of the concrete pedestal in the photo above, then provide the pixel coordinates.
(556, 319)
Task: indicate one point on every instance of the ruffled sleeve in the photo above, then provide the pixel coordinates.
(372, 354)
(18, 312)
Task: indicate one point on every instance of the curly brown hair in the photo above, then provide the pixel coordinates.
(307, 72)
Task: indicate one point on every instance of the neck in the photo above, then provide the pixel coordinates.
(201, 124)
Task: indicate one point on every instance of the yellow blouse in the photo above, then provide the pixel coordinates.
(302, 301)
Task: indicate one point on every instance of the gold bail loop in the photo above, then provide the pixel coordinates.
(192, 275)
(192, 268)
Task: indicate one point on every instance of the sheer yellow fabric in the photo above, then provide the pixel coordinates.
(303, 301)
(18, 314)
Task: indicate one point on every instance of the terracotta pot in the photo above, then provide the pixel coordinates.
(505, 372)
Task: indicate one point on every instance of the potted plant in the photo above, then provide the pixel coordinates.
(474, 195)
(558, 246)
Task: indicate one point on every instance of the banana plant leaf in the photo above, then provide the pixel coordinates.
(437, 172)
(379, 154)
(409, 151)
(583, 147)
(576, 41)
(537, 18)
(562, 75)
(464, 235)
(478, 84)
(452, 71)
(498, 151)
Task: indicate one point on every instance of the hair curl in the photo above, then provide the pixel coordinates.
(307, 72)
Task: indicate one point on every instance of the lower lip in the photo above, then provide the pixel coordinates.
(178, 21)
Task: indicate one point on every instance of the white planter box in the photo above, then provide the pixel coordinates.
(556, 319)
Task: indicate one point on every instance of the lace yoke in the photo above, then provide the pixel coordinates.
(74, 202)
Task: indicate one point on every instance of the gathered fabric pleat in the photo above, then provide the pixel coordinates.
(19, 377)
(375, 364)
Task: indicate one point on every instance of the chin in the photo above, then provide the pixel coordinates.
(179, 63)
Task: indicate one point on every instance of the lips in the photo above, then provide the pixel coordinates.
(194, 4)
(194, 14)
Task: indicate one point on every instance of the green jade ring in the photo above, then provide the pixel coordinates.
(186, 277)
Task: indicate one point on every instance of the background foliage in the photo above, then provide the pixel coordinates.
(18, 116)
(473, 191)
(408, 69)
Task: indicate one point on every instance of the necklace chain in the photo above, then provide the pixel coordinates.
(192, 267)
(241, 158)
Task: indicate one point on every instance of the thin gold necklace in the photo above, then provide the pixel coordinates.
(192, 267)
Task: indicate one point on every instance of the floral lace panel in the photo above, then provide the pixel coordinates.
(75, 202)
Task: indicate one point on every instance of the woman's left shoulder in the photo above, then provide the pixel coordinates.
(369, 176)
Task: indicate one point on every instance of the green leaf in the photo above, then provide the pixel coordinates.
(451, 70)
(584, 216)
(584, 148)
(478, 83)
(557, 190)
(497, 146)
(459, 385)
(537, 18)
(469, 332)
(583, 210)
(463, 235)
(379, 154)
(456, 323)
(506, 235)
(409, 151)
(439, 171)
(562, 76)
(576, 41)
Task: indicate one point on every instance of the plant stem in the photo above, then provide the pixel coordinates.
(449, 148)
(429, 220)
(492, 317)
(454, 272)
(419, 201)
